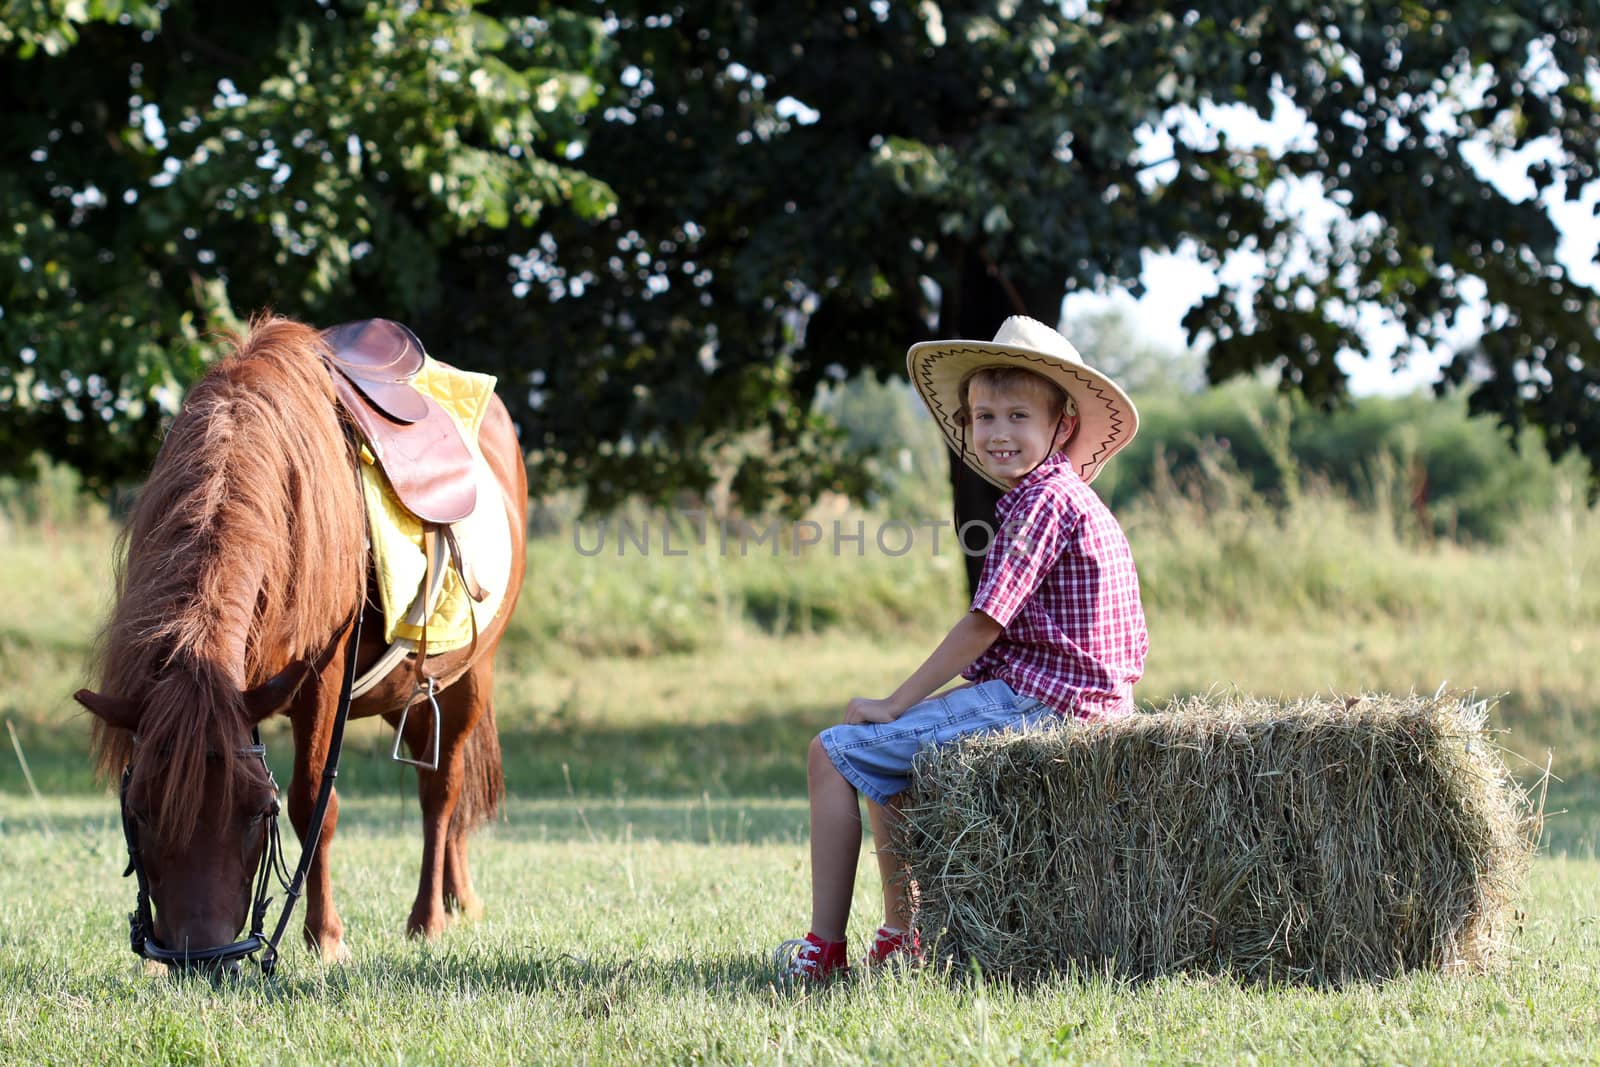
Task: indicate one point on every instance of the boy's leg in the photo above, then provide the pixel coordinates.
(877, 760)
(899, 894)
(835, 844)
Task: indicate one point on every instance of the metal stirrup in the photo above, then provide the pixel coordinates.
(432, 762)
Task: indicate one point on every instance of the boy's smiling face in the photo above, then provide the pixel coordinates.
(1015, 427)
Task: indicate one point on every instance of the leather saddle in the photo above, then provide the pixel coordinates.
(418, 446)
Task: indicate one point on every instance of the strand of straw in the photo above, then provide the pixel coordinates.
(16, 745)
(27, 774)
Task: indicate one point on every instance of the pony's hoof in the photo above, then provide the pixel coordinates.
(328, 948)
(334, 952)
(469, 908)
(427, 928)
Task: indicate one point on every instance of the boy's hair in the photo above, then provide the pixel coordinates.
(1014, 380)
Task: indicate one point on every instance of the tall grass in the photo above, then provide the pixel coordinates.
(1278, 598)
(646, 582)
(1210, 547)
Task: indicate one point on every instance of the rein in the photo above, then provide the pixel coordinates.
(330, 771)
(141, 927)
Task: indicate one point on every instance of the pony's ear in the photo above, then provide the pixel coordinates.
(113, 711)
(274, 694)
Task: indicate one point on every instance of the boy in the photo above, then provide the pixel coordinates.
(1055, 631)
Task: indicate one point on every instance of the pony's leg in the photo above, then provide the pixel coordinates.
(459, 896)
(483, 787)
(439, 791)
(324, 930)
(482, 793)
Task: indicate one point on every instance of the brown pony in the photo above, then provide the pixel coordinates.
(241, 572)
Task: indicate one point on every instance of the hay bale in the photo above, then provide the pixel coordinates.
(1319, 841)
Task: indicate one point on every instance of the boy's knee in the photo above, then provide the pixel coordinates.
(818, 762)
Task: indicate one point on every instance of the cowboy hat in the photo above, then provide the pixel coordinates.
(1107, 419)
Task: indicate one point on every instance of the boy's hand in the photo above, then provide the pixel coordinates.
(862, 709)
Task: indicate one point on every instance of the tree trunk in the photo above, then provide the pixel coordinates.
(984, 297)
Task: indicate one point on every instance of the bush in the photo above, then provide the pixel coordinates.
(1209, 547)
(1459, 477)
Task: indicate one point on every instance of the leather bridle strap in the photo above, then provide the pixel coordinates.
(141, 925)
(330, 771)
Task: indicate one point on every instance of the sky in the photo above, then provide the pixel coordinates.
(1177, 281)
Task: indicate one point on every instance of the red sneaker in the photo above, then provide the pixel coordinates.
(811, 959)
(891, 945)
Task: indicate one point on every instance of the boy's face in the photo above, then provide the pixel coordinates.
(1014, 428)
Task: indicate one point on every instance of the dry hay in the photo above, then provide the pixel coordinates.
(1319, 841)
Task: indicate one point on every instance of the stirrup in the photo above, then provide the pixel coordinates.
(431, 764)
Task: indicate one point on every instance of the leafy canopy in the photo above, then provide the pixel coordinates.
(665, 227)
(173, 167)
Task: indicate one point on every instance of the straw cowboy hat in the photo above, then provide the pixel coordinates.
(1107, 419)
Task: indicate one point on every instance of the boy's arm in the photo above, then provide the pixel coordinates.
(966, 641)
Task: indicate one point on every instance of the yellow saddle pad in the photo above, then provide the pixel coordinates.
(484, 536)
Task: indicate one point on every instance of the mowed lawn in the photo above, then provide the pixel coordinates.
(652, 853)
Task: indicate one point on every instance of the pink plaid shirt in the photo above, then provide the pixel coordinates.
(1060, 578)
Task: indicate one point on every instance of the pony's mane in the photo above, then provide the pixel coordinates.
(243, 552)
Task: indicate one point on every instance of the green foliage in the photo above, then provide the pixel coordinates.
(886, 423)
(172, 168)
(49, 495)
(1422, 461)
(879, 174)
(1419, 458)
(665, 229)
(1110, 339)
(1214, 549)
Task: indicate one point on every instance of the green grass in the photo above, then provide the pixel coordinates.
(654, 714)
(637, 931)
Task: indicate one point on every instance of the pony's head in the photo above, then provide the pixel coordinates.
(199, 866)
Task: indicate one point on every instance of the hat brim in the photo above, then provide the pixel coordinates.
(1107, 419)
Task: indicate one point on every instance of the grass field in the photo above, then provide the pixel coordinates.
(653, 848)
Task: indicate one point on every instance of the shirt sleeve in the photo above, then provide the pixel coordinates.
(1029, 542)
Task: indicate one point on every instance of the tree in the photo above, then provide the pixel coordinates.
(802, 190)
(805, 189)
(172, 167)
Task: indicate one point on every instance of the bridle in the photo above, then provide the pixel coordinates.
(141, 927)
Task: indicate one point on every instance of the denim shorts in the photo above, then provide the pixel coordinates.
(875, 757)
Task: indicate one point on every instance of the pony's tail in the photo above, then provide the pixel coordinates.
(483, 784)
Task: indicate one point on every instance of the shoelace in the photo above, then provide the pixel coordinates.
(797, 956)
